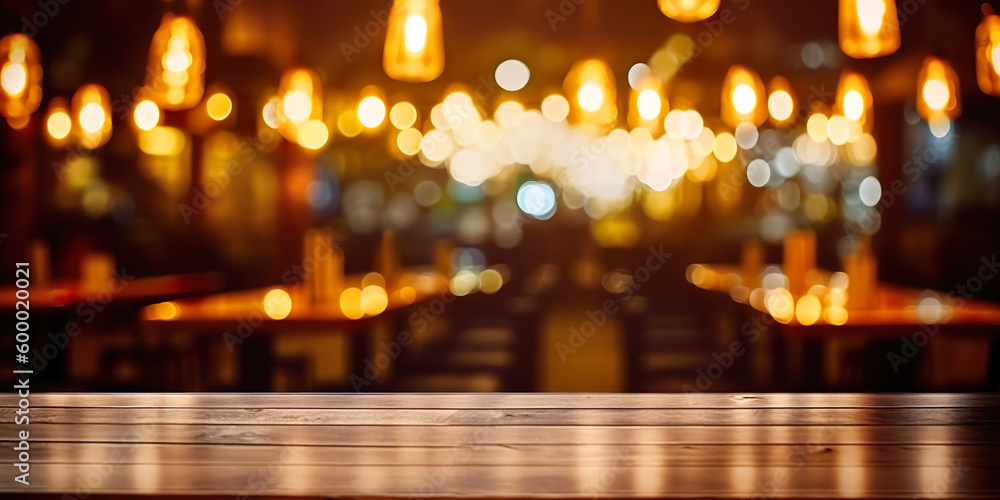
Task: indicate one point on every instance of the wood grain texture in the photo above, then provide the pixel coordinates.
(513, 445)
(498, 417)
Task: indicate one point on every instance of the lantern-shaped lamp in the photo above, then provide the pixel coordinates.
(743, 97)
(988, 52)
(688, 11)
(781, 102)
(300, 99)
(590, 86)
(646, 105)
(20, 76)
(854, 99)
(176, 77)
(414, 44)
(92, 112)
(868, 28)
(58, 123)
(938, 91)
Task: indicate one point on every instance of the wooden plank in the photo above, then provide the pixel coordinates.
(547, 455)
(539, 417)
(507, 401)
(286, 477)
(368, 435)
(514, 446)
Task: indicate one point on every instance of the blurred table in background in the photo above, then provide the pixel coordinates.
(819, 325)
(134, 289)
(250, 319)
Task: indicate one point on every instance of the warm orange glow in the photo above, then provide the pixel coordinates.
(781, 102)
(854, 99)
(490, 281)
(313, 134)
(58, 122)
(781, 305)
(374, 300)
(177, 64)
(350, 303)
(988, 53)
(277, 304)
(835, 315)
(219, 106)
(743, 97)
(92, 113)
(414, 44)
(407, 294)
(164, 311)
(403, 115)
(868, 28)
(20, 77)
(938, 94)
(646, 105)
(162, 141)
(725, 147)
(688, 11)
(300, 99)
(591, 86)
(808, 309)
(146, 115)
(371, 110)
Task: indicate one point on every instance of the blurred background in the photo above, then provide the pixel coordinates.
(566, 205)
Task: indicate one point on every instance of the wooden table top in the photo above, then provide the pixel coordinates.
(513, 445)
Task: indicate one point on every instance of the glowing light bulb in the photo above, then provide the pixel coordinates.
(59, 123)
(92, 109)
(688, 11)
(646, 105)
(936, 94)
(854, 100)
(592, 84)
(868, 28)
(178, 58)
(744, 99)
(854, 105)
(649, 104)
(415, 33)
(20, 78)
(371, 111)
(146, 115)
(590, 97)
(414, 44)
(176, 64)
(781, 102)
(297, 106)
(938, 91)
(741, 91)
(14, 78)
(870, 15)
(92, 117)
